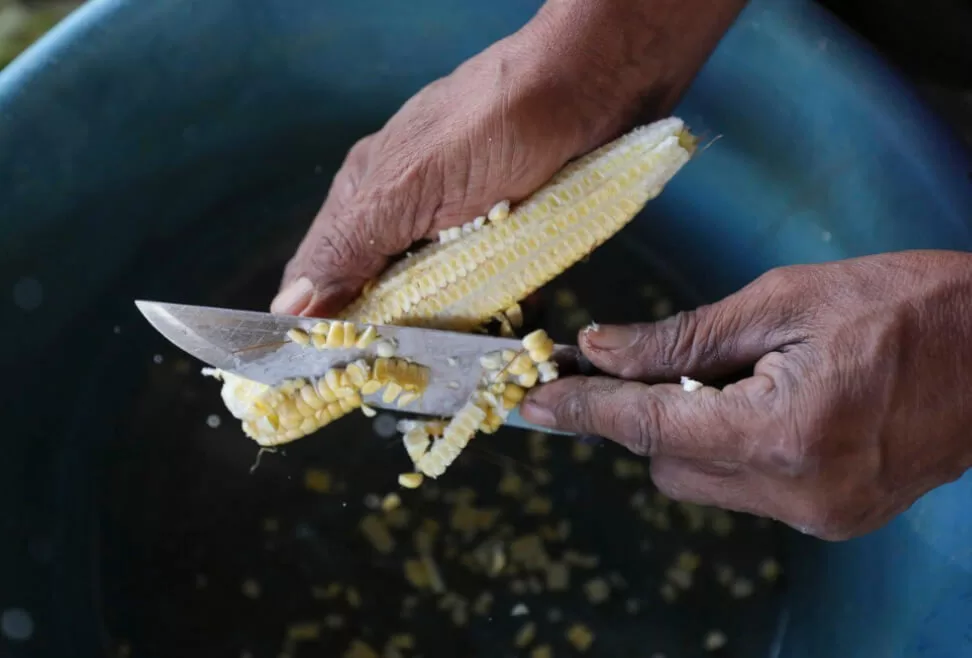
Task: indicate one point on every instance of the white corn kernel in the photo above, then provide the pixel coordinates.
(690, 385)
(499, 212)
(385, 348)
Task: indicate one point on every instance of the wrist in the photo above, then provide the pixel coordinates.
(620, 61)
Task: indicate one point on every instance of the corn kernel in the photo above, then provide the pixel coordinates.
(410, 480)
(299, 336)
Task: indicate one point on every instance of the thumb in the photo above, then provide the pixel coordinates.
(707, 343)
(348, 244)
(330, 268)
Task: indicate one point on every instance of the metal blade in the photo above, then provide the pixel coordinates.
(255, 345)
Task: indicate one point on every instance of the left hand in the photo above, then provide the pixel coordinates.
(860, 401)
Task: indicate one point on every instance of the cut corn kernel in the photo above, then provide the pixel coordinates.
(499, 212)
(299, 336)
(367, 337)
(525, 636)
(580, 636)
(410, 480)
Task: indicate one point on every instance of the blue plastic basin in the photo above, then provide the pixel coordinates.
(133, 121)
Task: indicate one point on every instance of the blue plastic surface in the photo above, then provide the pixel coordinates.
(133, 120)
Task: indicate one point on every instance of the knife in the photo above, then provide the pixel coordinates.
(254, 345)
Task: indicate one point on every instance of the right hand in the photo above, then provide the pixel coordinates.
(497, 128)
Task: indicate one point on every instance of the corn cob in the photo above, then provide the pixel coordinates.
(474, 273)
(460, 284)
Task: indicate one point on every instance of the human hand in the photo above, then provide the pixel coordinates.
(858, 405)
(497, 128)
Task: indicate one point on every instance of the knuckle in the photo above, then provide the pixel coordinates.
(644, 427)
(687, 338)
(333, 250)
(822, 518)
(779, 279)
(574, 411)
(792, 456)
(677, 338)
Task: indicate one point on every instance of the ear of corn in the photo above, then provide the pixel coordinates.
(473, 274)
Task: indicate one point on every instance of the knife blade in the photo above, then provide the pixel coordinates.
(254, 345)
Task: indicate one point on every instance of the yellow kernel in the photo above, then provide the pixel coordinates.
(367, 337)
(350, 334)
(597, 590)
(513, 393)
(529, 378)
(538, 505)
(320, 329)
(319, 341)
(350, 403)
(317, 480)
(335, 335)
(324, 391)
(299, 336)
(580, 636)
(333, 379)
(416, 573)
(407, 398)
(392, 391)
(558, 577)
(543, 651)
(535, 340)
(515, 315)
(410, 480)
(525, 636)
(360, 649)
(390, 502)
(770, 570)
(335, 410)
(370, 387)
(376, 532)
(520, 365)
(368, 411)
(542, 354)
(310, 397)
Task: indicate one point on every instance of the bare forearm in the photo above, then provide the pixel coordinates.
(628, 56)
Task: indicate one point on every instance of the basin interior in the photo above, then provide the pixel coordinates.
(138, 527)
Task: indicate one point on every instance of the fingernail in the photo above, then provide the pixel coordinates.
(294, 298)
(611, 337)
(536, 414)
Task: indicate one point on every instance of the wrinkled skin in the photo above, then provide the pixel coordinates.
(859, 402)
